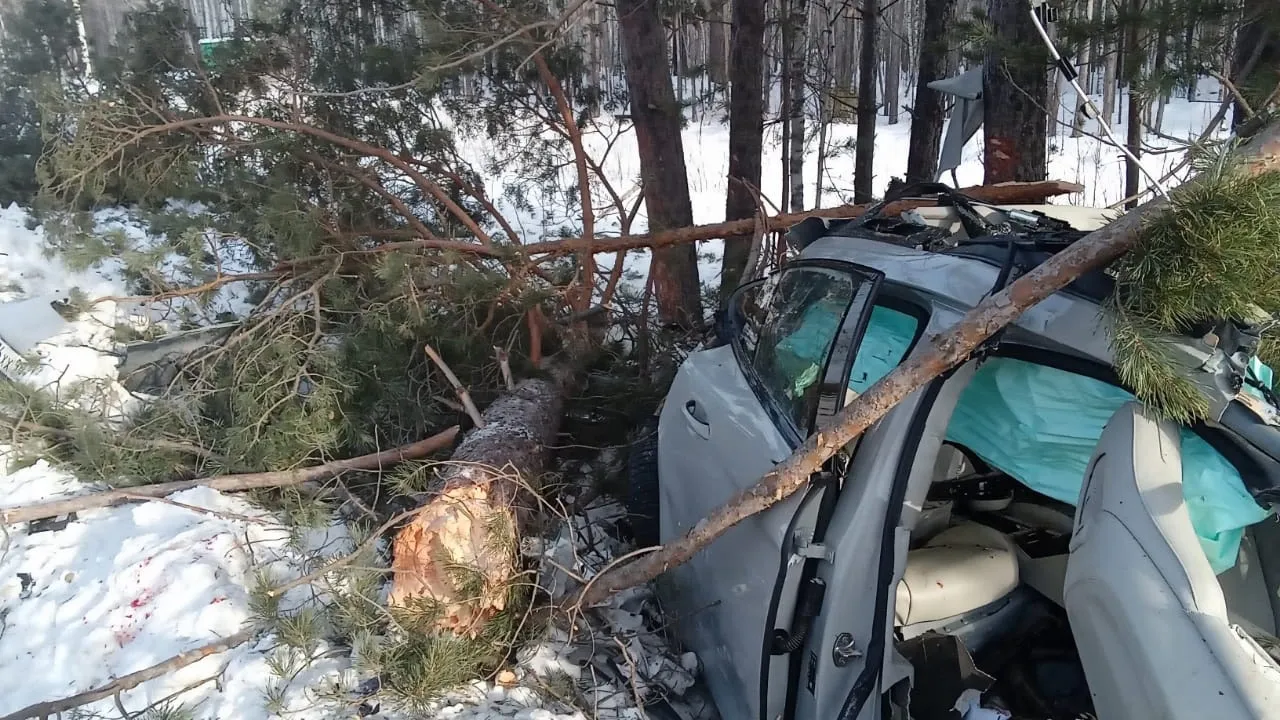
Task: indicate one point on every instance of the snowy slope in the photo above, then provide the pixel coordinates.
(124, 588)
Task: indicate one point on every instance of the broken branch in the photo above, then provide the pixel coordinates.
(463, 396)
(133, 679)
(230, 483)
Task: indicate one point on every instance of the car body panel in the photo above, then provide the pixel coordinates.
(879, 498)
(700, 469)
(1062, 321)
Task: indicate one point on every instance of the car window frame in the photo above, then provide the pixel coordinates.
(867, 284)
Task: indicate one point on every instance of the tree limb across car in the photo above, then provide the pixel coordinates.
(939, 354)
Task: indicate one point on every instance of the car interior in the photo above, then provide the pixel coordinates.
(987, 565)
(986, 570)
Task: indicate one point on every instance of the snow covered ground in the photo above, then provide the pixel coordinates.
(121, 589)
(117, 590)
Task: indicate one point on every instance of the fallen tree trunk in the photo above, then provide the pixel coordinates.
(459, 555)
(1013, 193)
(941, 353)
(231, 483)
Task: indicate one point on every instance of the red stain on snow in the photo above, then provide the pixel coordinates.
(218, 599)
(143, 599)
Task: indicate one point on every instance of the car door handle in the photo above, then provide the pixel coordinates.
(696, 418)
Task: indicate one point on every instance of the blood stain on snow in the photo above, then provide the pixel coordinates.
(142, 599)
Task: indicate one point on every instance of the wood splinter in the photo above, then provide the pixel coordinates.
(463, 396)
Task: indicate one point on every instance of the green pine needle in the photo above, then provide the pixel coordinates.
(1214, 254)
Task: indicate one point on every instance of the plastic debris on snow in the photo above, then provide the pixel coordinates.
(617, 654)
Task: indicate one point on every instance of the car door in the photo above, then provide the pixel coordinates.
(732, 413)
(1145, 607)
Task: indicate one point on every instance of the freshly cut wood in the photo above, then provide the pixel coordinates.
(458, 555)
(940, 353)
(231, 483)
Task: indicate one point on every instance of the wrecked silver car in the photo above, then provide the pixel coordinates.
(1018, 538)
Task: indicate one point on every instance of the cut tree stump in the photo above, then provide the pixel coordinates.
(459, 557)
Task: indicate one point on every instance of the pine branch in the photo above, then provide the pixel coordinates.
(230, 483)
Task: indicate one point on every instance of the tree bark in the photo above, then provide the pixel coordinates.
(1133, 56)
(230, 483)
(718, 43)
(657, 119)
(746, 134)
(1015, 80)
(799, 86)
(467, 533)
(893, 60)
(864, 152)
(1133, 128)
(1085, 68)
(927, 112)
(1259, 35)
(1111, 70)
(1005, 193)
(937, 355)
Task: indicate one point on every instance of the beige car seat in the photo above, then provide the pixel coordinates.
(962, 569)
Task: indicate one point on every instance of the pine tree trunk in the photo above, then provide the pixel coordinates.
(718, 43)
(845, 56)
(1260, 29)
(1133, 67)
(784, 93)
(826, 104)
(656, 116)
(927, 113)
(936, 355)
(746, 133)
(1110, 74)
(470, 528)
(893, 61)
(1016, 83)
(798, 85)
(864, 158)
(1085, 67)
(1155, 110)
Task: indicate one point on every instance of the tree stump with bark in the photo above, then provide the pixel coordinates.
(458, 557)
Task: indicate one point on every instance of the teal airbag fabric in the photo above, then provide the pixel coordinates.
(1040, 425)
(800, 355)
(886, 342)
(884, 345)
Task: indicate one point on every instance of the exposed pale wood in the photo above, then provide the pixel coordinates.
(467, 531)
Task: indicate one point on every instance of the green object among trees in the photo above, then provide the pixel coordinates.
(208, 47)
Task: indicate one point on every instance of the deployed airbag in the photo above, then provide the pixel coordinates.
(1040, 425)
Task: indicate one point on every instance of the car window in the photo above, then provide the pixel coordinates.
(802, 315)
(889, 336)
